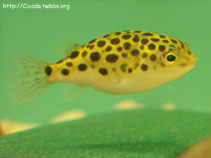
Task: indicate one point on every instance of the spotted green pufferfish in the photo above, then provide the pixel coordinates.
(120, 63)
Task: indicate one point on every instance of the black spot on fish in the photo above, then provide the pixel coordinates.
(155, 39)
(124, 55)
(153, 57)
(130, 70)
(144, 41)
(59, 61)
(84, 53)
(106, 36)
(147, 34)
(101, 43)
(151, 46)
(108, 48)
(174, 41)
(119, 49)
(137, 31)
(145, 54)
(48, 70)
(142, 47)
(165, 41)
(95, 56)
(103, 71)
(91, 47)
(117, 33)
(92, 41)
(162, 36)
(135, 52)
(82, 67)
(135, 38)
(69, 64)
(126, 36)
(127, 45)
(115, 41)
(65, 72)
(144, 67)
(111, 58)
(161, 48)
(74, 54)
(182, 44)
(171, 45)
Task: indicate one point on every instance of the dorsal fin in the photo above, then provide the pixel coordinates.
(74, 47)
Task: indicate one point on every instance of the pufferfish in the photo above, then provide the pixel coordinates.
(118, 63)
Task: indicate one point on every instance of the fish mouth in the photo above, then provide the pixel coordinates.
(193, 61)
(187, 60)
(194, 58)
(189, 63)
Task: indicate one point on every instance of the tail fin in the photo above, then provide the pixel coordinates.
(27, 80)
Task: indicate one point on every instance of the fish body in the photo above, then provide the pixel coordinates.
(121, 63)
(124, 62)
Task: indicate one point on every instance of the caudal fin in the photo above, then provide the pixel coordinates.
(27, 79)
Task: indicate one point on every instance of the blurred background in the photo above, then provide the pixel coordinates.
(48, 33)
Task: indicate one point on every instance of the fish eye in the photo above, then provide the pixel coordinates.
(170, 58)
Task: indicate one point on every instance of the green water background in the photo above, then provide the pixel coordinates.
(48, 33)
